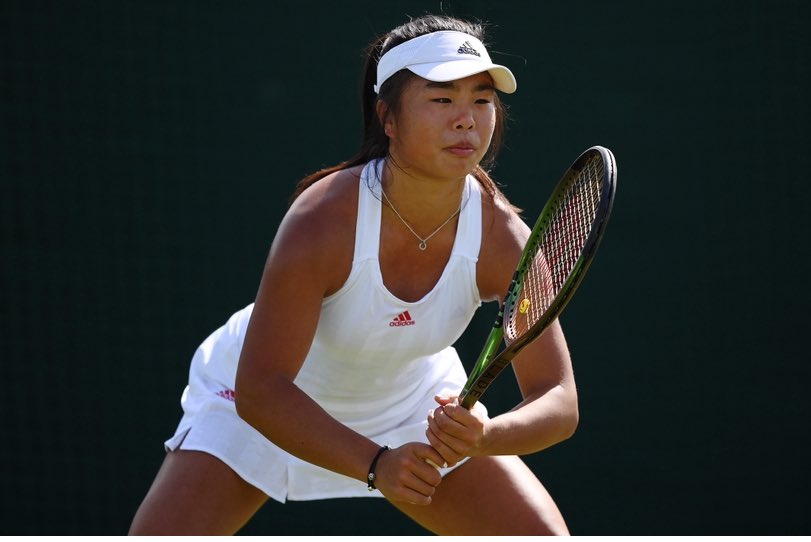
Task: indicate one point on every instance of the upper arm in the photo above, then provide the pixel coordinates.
(309, 259)
(503, 238)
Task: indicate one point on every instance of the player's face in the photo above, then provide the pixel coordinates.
(443, 129)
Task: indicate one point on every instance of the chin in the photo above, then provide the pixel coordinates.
(464, 167)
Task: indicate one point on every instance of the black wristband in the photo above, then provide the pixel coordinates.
(370, 478)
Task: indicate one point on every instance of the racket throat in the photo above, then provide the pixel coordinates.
(469, 394)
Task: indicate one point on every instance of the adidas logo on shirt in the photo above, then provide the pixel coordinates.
(402, 319)
(467, 49)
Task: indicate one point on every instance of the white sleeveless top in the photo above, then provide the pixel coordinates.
(371, 348)
(375, 364)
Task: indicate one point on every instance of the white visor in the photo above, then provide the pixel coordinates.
(441, 57)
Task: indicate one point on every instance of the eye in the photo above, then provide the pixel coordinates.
(442, 100)
(484, 101)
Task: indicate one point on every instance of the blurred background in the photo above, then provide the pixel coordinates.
(147, 151)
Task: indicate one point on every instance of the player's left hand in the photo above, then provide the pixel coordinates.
(454, 431)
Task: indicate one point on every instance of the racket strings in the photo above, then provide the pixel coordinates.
(559, 250)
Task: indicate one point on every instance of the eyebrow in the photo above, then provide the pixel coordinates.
(451, 85)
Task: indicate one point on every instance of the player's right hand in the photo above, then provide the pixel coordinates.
(403, 474)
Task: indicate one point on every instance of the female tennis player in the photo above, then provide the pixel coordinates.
(340, 379)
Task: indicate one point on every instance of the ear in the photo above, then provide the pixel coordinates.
(382, 110)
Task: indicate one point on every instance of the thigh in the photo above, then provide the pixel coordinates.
(496, 495)
(195, 493)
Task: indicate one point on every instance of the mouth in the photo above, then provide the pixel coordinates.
(461, 149)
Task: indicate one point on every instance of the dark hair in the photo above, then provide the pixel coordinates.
(375, 143)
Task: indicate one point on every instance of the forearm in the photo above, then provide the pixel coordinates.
(533, 425)
(289, 418)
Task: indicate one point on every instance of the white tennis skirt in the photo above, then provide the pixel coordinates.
(211, 424)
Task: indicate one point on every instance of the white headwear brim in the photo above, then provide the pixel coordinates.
(441, 57)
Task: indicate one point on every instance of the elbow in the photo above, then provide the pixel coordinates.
(250, 410)
(245, 401)
(569, 417)
(242, 404)
(570, 422)
(259, 401)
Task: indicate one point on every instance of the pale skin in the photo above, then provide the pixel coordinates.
(438, 136)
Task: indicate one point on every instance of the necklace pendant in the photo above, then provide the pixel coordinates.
(423, 245)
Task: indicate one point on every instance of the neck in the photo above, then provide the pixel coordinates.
(418, 197)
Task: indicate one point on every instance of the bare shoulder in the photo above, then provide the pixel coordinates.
(504, 234)
(318, 231)
(328, 201)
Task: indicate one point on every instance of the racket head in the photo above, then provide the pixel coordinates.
(558, 252)
(562, 245)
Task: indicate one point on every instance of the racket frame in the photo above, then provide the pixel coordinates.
(488, 367)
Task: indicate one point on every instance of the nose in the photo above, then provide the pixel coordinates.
(465, 120)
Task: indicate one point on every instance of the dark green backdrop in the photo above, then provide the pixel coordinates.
(147, 149)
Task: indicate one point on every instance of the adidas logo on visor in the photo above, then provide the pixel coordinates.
(467, 49)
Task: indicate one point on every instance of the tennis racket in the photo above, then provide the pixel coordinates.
(556, 257)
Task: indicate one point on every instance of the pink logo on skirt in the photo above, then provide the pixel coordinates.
(228, 394)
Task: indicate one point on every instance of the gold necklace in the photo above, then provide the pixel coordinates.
(423, 242)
